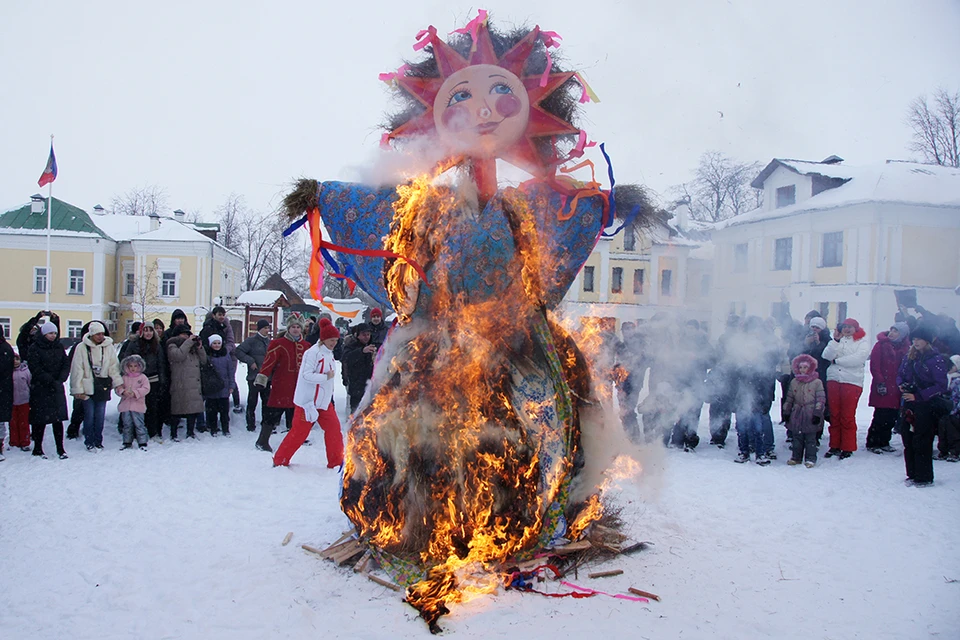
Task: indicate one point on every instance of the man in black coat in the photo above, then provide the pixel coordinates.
(251, 352)
(358, 365)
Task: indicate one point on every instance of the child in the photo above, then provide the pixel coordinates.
(216, 398)
(804, 406)
(133, 405)
(313, 398)
(20, 420)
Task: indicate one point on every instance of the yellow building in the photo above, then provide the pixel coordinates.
(631, 276)
(112, 268)
(842, 239)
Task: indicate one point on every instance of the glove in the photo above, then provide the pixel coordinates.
(882, 389)
(260, 381)
(311, 414)
(816, 420)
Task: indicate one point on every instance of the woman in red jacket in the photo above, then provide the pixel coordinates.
(885, 360)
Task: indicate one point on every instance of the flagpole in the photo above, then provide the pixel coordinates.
(49, 213)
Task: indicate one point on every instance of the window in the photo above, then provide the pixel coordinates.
(129, 284)
(73, 328)
(5, 327)
(39, 279)
(616, 286)
(780, 310)
(738, 309)
(168, 284)
(629, 240)
(666, 276)
(786, 196)
(841, 312)
(824, 310)
(76, 282)
(782, 254)
(705, 285)
(638, 275)
(588, 278)
(832, 255)
(740, 258)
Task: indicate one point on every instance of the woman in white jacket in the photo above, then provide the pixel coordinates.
(313, 401)
(94, 371)
(847, 353)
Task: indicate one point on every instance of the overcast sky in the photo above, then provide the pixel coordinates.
(208, 98)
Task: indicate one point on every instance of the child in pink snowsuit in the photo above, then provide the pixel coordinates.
(133, 404)
(20, 421)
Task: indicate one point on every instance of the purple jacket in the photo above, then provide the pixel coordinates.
(21, 384)
(223, 365)
(928, 373)
(884, 364)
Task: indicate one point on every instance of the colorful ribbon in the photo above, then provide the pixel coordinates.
(524, 581)
(594, 592)
(586, 93)
(550, 39)
(472, 27)
(425, 37)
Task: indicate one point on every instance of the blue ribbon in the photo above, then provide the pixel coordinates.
(613, 183)
(296, 225)
(629, 219)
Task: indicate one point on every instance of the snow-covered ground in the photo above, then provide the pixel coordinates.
(184, 541)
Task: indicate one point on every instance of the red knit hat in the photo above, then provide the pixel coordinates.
(327, 330)
(858, 332)
(376, 312)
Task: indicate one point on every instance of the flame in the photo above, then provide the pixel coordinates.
(443, 468)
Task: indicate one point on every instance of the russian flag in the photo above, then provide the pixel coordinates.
(50, 171)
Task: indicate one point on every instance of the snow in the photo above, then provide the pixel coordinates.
(184, 541)
(259, 298)
(891, 182)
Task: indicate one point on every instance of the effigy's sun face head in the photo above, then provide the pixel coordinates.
(481, 110)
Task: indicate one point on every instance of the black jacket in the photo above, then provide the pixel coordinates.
(358, 368)
(6, 380)
(155, 360)
(49, 368)
(252, 351)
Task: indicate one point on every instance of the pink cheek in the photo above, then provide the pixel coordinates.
(508, 106)
(456, 118)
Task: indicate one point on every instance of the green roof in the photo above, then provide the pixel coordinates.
(65, 217)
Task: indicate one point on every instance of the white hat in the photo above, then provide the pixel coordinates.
(48, 327)
(819, 323)
(96, 327)
(215, 338)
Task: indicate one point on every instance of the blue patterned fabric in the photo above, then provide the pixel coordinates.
(359, 217)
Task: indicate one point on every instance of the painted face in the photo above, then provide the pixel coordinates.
(481, 110)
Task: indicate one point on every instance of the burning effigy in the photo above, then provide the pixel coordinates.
(468, 451)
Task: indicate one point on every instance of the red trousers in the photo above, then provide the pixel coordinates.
(332, 438)
(843, 399)
(20, 425)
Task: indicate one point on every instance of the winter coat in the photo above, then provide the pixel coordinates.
(848, 357)
(222, 363)
(104, 361)
(281, 366)
(223, 329)
(754, 371)
(6, 380)
(816, 350)
(21, 384)
(155, 360)
(140, 385)
(928, 373)
(314, 388)
(378, 333)
(185, 358)
(49, 369)
(806, 398)
(885, 361)
(252, 351)
(26, 336)
(358, 368)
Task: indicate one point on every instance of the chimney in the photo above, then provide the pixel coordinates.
(154, 221)
(98, 210)
(36, 203)
(682, 214)
(179, 215)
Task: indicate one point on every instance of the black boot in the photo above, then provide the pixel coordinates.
(263, 442)
(58, 439)
(173, 432)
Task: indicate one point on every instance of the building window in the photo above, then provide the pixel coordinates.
(786, 196)
(824, 310)
(841, 312)
(666, 276)
(129, 284)
(740, 257)
(738, 309)
(629, 240)
(5, 327)
(705, 285)
(779, 310)
(76, 282)
(616, 285)
(782, 254)
(73, 328)
(39, 279)
(168, 284)
(832, 249)
(638, 276)
(588, 278)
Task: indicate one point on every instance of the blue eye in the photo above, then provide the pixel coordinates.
(459, 96)
(501, 89)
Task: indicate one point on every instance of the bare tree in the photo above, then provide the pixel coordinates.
(290, 257)
(231, 216)
(720, 188)
(936, 127)
(141, 201)
(145, 300)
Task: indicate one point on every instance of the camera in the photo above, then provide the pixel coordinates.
(908, 388)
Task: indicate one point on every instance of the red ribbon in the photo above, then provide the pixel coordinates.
(472, 27)
(430, 32)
